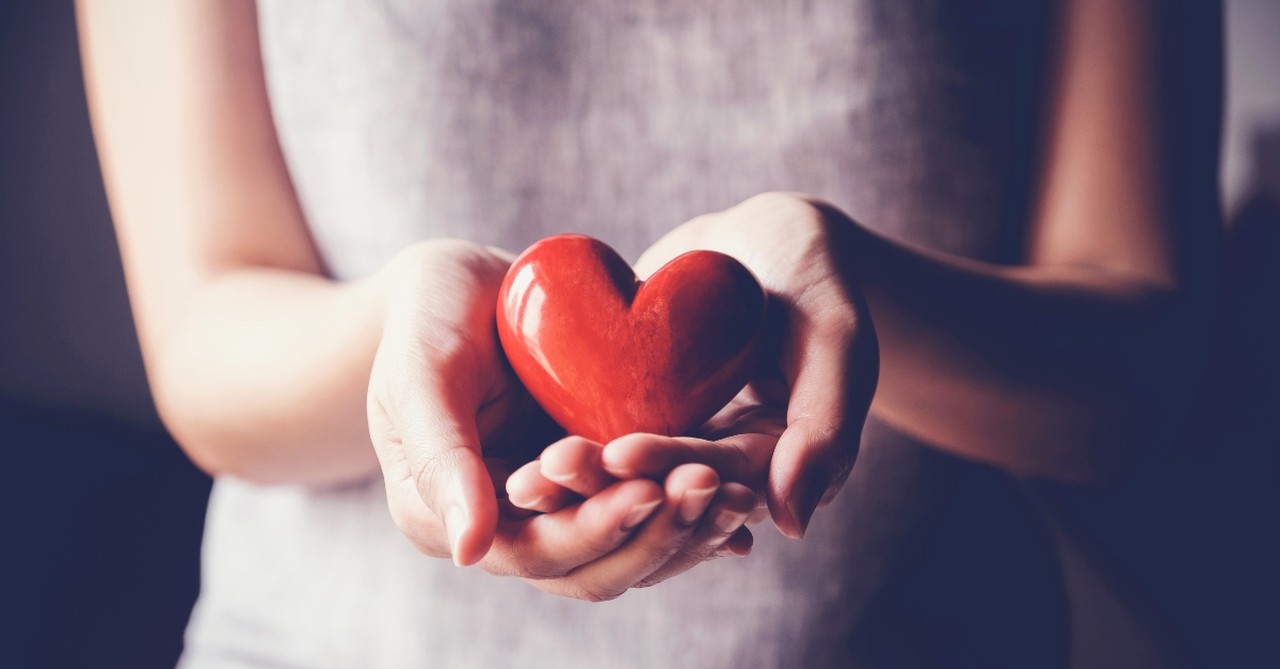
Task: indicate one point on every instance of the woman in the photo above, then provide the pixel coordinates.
(1033, 209)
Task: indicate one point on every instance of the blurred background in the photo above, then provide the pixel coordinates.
(109, 513)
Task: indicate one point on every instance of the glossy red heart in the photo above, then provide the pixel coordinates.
(606, 354)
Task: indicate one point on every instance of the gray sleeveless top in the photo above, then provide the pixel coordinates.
(504, 121)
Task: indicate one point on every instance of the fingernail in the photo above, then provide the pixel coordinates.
(526, 503)
(618, 471)
(622, 473)
(728, 522)
(560, 477)
(455, 522)
(694, 504)
(638, 514)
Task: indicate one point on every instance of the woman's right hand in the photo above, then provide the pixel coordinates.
(449, 422)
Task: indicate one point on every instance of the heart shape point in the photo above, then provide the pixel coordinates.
(606, 354)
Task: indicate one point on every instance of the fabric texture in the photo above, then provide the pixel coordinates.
(503, 122)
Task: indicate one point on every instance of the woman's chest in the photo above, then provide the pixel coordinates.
(507, 121)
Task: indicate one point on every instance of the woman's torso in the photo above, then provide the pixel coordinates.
(503, 122)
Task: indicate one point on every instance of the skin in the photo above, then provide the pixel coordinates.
(1057, 368)
(265, 369)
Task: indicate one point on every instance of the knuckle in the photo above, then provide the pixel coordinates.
(831, 443)
(773, 198)
(433, 468)
(447, 347)
(841, 323)
(649, 582)
(599, 544)
(597, 594)
(819, 431)
(531, 563)
(436, 255)
(463, 263)
(425, 477)
(785, 205)
(540, 569)
(695, 553)
(832, 448)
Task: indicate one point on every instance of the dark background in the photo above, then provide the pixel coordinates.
(103, 566)
(108, 512)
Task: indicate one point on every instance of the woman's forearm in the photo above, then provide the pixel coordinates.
(1061, 366)
(1054, 369)
(1050, 371)
(258, 364)
(264, 376)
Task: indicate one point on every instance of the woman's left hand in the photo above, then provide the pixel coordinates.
(792, 434)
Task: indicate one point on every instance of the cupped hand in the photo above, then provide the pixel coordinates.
(449, 422)
(438, 390)
(701, 518)
(793, 432)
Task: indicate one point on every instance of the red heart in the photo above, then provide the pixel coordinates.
(606, 355)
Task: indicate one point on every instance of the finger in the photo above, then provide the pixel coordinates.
(500, 474)
(411, 516)
(743, 458)
(760, 407)
(725, 518)
(552, 545)
(689, 490)
(738, 545)
(574, 462)
(528, 489)
(833, 379)
(441, 444)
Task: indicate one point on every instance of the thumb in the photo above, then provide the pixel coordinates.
(445, 461)
(832, 372)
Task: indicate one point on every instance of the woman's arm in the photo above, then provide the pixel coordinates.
(1060, 366)
(265, 369)
(1056, 367)
(258, 363)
